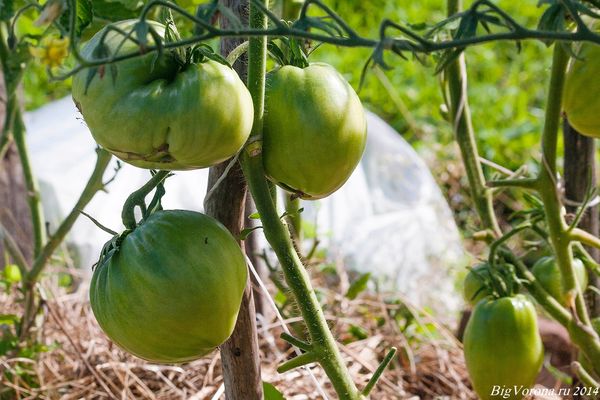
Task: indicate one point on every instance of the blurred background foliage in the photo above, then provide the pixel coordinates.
(506, 90)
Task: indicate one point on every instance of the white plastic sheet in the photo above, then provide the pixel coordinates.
(390, 218)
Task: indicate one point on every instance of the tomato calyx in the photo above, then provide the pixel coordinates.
(136, 199)
(486, 280)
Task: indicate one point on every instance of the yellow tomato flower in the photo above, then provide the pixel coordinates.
(52, 51)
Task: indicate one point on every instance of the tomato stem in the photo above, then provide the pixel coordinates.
(137, 199)
(324, 348)
(455, 86)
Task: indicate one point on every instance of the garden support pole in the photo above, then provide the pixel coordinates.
(580, 176)
(240, 353)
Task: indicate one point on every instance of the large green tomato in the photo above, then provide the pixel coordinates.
(581, 102)
(503, 348)
(474, 289)
(159, 113)
(314, 130)
(172, 291)
(547, 272)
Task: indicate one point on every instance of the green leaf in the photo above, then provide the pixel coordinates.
(254, 216)
(271, 392)
(84, 16)
(112, 11)
(358, 286)
(246, 232)
(358, 332)
(8, 319)
(7, 9)
(12, 273)
(129, 4)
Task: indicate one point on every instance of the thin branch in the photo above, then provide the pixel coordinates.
(13, 250)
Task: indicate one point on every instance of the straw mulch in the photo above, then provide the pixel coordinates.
(83, 364)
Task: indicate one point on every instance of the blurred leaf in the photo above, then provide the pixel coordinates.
(254, 216)
(12, 273)
(246, 232)
(553, 19)
(271, 392)
(129, 4)
(65, 280)
(6, 9)
(358, 286)
(84, 17)
(280, 298)
(113, 11)
(8, 319)
(359, 333)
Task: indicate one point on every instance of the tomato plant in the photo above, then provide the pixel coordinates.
(502, 345)
(170, 290)
(546, 271)
(161, 111)
(580, 99)
(314, 129)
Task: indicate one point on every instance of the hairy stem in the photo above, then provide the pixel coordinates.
(455, 77)
(323, 344)
(93, 185)
(557, 228)
(136, 199)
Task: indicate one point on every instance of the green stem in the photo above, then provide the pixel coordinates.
(93, 185)
(460, 115)
(584, 237)
(323, 343)
(379, 371)
(33, 192)
(13, 249)
(557, 228)
(292, 208)
(137, 198)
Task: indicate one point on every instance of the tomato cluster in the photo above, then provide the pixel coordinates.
(169, 290)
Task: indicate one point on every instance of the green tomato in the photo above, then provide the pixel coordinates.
(547, 273)
(157, 112)
(172, 291)
(474, 289)
(314, 130)
(581, 102)
(503, 348)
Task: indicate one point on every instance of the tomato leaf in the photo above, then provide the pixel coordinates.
(112, 11)
(271, 392)
(8, 319)
(129, 4)
(84, 15)
(246, 232)
(358, 286)
(6, 9)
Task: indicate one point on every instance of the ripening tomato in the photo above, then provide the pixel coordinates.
(502, 346)
(314, 130)
(161, 112)
(172, 290)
